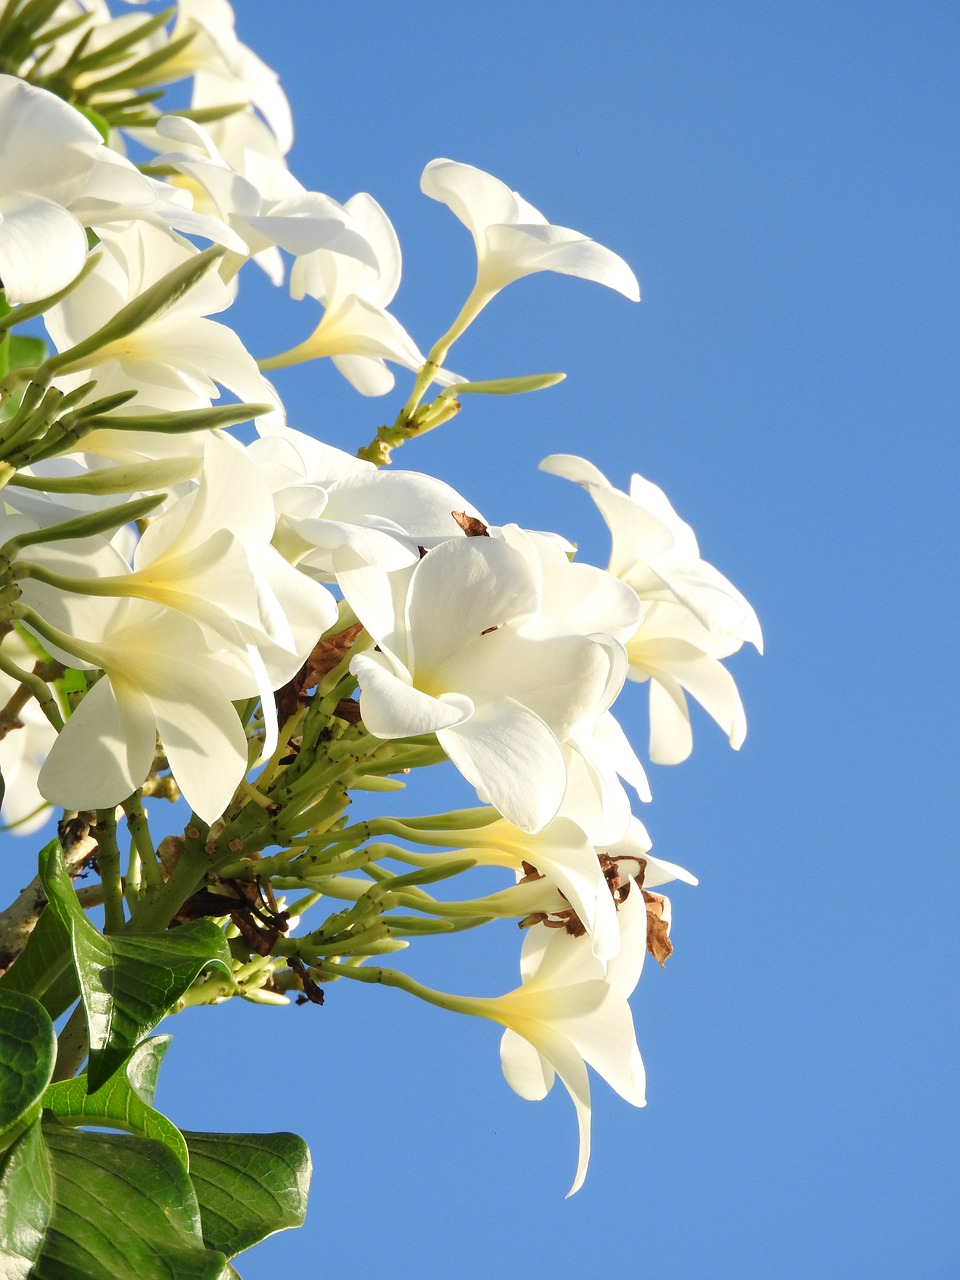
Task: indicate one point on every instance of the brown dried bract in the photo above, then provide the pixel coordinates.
(658, 924)
(348, 709)
(311, 992)
(169, 851)
(250, 906)
(470, 525)
(330, 652)
(327, 654)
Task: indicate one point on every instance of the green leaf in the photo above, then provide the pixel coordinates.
(144, 1067)
(26, 1203)
(25, 352)
(96, 119)
(119, 1103)
(127, 982)
(122, 1207)
(248, 1185)
(44, 968)
(28, 1048)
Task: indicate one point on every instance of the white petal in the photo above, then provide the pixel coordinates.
(206, 746)
(366, 374)
(104, 751)
(671, 738)
(42, 248)
(579, 470)
(522, 250)
(512, 759)
(461, 589)
(526, 1071)
(475, 197)
(390, 708)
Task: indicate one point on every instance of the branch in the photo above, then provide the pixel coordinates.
(18, 920)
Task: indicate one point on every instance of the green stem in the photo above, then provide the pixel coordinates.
(314, 947)
(158, 905)
(39, 688)
(140, 834)
(108, 860)
(393, 978)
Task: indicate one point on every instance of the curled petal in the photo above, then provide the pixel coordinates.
(391, 708)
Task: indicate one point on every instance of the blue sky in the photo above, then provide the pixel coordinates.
(784, 182)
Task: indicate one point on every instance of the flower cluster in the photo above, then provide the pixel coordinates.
(265, 628)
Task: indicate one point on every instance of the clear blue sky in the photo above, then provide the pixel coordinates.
(784, 182)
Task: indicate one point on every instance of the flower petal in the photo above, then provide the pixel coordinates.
(391, 708)
(42, 248)
(512, 759)
(104, 751)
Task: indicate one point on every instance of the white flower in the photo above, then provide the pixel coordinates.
(161, 675)
(264, 204)
(47, 152)
(513, 239)
(571, 863)
(569, 1014)
(356, 331)
(657, 553)
(209, 558)
(336, 512)
(453, 661)
(56, 178)
(225, 71)
(174, 360)
(693, 615)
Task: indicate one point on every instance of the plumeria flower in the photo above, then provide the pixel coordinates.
(47, 153)
(56, 178)
(175, 360)
(657, 553)
(224, 70)
(585, 875)
(336, 512)
(264, 204)
(513, 240)
(116, 193)
(568, 1014)
(356, 331)
(693, 616)
(452, 660)
(162, 674)
(209, 557)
